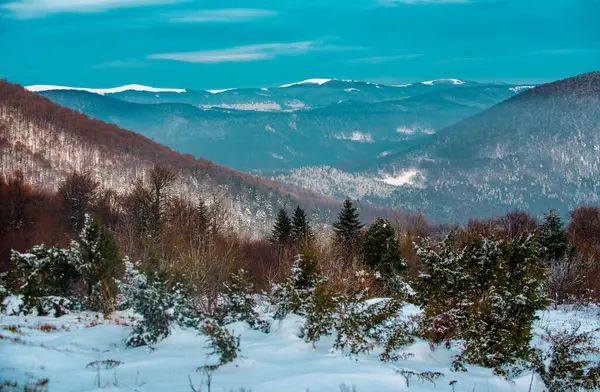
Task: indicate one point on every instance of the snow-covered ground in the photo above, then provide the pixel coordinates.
(276, 362)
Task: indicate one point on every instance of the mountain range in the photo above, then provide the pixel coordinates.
(450, 148)
(315, 122)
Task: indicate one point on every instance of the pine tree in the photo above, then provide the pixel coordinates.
(553, 238)
(302, 233)
(102, 262)
(282, 229)
(381, 249)
(347, 228)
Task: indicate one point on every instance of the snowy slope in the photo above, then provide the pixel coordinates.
(277, 362)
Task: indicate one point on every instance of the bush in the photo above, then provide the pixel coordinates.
(161, 304)
(568, 365)
(237, 303)
(293, 294)
(222, 342)
(486, 294)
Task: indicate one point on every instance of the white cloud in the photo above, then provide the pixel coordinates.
(228, 15)
(244, 53)
(382, 59)
(25, 9)
(564, 51)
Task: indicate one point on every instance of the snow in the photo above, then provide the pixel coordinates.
(518, 89)
(405, 178)
(307, 81)
(274, 362)
(266, 106)
(438, 81)
(102, 91)
(349, 90)
(402, 85)
(219, 91)
(355, 136)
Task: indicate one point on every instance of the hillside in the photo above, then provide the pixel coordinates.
(47, 142)
(537, 150)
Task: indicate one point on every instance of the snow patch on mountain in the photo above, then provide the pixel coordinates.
(307, 81)
(349, 90)
(220, 91)
(518, 89)
(405, 178)
(267, 106)
(355, 136)
(130, 87)
(440, 81)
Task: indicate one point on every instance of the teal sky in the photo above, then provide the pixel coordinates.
(250, 43)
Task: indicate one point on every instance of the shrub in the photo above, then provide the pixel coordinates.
(221, 341)
(486, 294)
(568, 365)
(237, 303)
(161, 304)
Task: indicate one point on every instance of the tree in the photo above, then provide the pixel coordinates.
(282, 229)
(347, 228)
(552, 237)
(76, 195)
(381, 249)
(101, 263)
(301, 233)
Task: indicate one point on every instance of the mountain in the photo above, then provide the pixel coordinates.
(46, 142)
(371, 121)
(537, 150)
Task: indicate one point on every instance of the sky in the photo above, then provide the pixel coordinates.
(213, 44)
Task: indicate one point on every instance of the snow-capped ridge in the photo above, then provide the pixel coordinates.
(102, 91)
(307, 81)
(439, 81)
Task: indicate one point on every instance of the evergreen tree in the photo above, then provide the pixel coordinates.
(381, 249)
(347, 228)
(282, 229)
(102, 262)
(301, 233)
(553, 238)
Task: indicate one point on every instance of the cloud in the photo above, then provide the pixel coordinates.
(228, 15)
(382, 59)
(26, 9)
(563, 51)
(246, 53)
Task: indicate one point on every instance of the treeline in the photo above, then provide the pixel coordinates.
(153, 224)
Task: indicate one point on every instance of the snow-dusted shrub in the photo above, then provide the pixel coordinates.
(571, 363)
(320, 308)
(161, 304)
(485, 294)
(221, 341)
(293, 294)
(237, 303)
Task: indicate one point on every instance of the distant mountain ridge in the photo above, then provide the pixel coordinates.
(302, 124)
